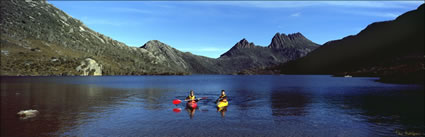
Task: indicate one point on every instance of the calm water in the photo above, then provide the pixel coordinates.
(285, 105)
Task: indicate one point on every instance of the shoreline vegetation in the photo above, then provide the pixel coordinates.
(37, 39)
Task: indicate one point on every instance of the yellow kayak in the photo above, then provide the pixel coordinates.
(222, 104)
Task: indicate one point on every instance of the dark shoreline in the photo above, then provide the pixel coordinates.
(391, 79)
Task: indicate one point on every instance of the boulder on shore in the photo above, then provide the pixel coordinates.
(25, 114)
(89, 67)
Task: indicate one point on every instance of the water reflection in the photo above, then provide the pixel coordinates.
(385, 110)
(151, 98)
(309, 106)
(177, 110)
(60, 106)
(191, 112)
(222, 111)
(288, 103)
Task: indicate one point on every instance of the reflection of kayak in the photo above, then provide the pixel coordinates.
(191, 104)
(222, 104)
(177, 110)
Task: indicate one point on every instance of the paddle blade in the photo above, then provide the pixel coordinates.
(177, 101)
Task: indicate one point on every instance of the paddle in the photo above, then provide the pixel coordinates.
(178, 101)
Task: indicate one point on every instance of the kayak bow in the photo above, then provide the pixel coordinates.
(222, 104)
(191, 104)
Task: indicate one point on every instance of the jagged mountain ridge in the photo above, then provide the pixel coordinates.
(296, 40)
(279, 41)
(39, 39)
(246, 55)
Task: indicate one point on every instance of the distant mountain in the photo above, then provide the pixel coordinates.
(242, 44)
(296, 40)
(246, 55)
(393, 50)
(180, 61)
(39, 39)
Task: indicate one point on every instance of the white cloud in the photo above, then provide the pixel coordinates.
(390, 15)
(369, 4)
(296, 14)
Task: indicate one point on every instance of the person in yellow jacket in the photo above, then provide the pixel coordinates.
(191, 97)
(222, 97)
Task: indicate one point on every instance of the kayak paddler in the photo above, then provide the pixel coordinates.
(222, 97)
(191, 97)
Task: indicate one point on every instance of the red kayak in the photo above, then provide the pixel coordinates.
(191, 104)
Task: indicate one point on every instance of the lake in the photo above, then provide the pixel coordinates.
(259, 105)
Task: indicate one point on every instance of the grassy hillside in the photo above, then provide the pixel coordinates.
(27, 26)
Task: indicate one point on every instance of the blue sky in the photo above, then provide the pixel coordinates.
(210, 28)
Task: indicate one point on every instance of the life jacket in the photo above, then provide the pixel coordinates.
(223, 97)
(191, 97)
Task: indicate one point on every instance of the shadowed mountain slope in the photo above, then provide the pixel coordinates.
(393, 50)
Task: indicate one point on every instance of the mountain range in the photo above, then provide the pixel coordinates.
(246, 55)
(39, 39)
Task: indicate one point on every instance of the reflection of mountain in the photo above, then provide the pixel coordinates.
(405, 108)
(151, 98)
(291, 103)
(59, 105)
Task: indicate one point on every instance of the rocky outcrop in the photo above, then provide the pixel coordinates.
(163, 53)
(89, 67)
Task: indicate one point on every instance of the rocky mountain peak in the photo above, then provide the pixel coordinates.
(296, 35)
(295, 40)
(244, 44)
(155, 45)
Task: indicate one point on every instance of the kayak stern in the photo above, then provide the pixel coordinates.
(222, 104)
